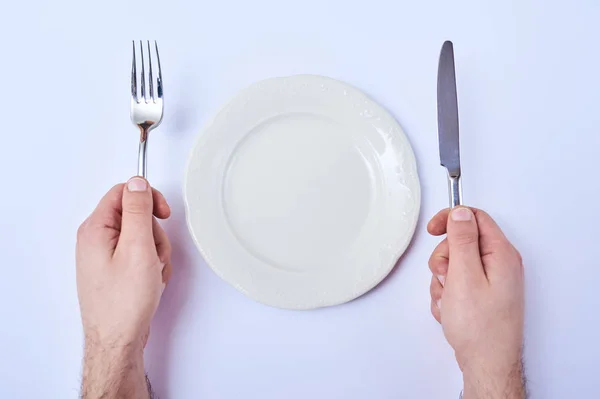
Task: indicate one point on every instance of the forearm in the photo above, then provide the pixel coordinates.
(114, 373)
(506, 383)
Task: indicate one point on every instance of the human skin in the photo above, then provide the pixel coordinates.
(477, 294)
(123, 265)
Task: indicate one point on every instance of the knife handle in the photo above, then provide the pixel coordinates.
(455, 191)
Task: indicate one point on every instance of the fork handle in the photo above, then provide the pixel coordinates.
(142, 157)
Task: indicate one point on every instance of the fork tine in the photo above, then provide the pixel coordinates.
(143, 80)
(133, 75)
(159, 87)
(150, 81)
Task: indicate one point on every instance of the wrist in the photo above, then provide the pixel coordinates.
(113, 370)
(497, 381)
(112, 360)
(113, 353)
(96, 340)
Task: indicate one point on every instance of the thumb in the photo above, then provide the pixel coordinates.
(136, 222)
(463, 242)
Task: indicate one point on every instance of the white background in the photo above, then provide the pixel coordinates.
(529, 94)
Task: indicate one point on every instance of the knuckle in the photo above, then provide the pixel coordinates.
(166, 273)
(432, 261)
(505, 250)
(438, 263)
(465, 238)
(519, 261)
(519, 257)
(435, 288)
(435, 312)
(505, 246)
(82, 230)
(165, 256)
(481, 212)
(137, 208)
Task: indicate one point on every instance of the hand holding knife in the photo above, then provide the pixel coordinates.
(491, 283)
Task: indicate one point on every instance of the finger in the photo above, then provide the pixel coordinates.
(136, 224)
(499, 256)
(436, 312)
(490, 234)
(163, 249)
(100, 231)
(437, 224)
(111, 206)
(435, 290)
(162, 210)
(166, 273)
(163, 246)
(463, 243)
(108, 210)
(438, 262)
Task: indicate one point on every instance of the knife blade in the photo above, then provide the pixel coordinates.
(448, 136)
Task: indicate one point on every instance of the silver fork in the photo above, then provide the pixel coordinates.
(146, 105)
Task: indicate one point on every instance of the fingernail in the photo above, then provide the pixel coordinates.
(137, 184)
(461, 214)
(441, 279)
(438, 303)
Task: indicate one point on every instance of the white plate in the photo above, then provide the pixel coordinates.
(302, 192)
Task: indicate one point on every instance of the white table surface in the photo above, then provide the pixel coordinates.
(529, 94)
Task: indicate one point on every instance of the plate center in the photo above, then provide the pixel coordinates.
(297, 192)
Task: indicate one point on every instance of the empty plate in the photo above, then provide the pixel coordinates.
(302, 192)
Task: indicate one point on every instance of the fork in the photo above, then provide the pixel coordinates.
(146, 105)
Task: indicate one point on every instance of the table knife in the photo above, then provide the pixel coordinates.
(448, 122)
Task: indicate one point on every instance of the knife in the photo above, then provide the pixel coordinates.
(448, 122)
